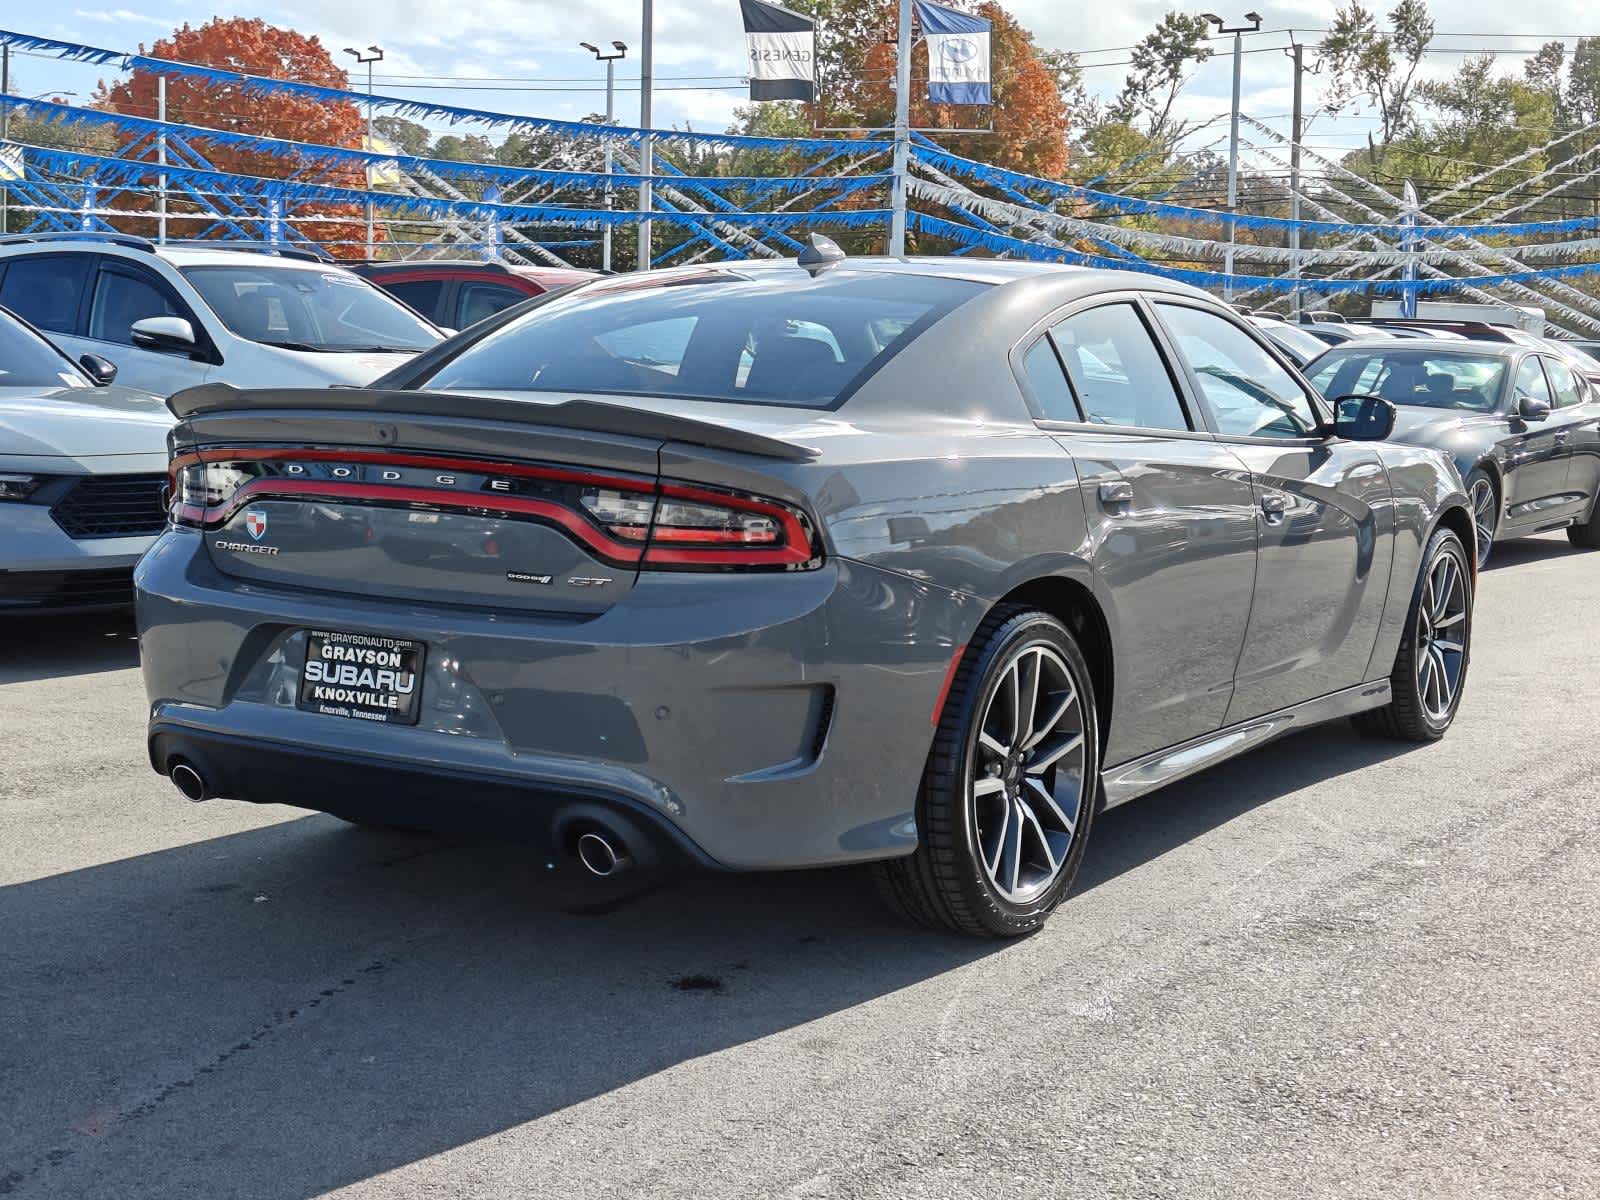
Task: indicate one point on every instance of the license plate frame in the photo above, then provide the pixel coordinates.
(362, 676)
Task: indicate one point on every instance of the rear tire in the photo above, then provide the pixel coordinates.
(1430, 670)
(1009, 790)
(1587, 535)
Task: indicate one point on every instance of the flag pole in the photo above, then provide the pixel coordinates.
(902, 133)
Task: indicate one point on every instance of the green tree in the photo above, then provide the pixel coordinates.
(1378, 66)
(408, 137)
(1162, 62)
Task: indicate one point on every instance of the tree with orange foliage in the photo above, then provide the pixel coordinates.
(252, 47)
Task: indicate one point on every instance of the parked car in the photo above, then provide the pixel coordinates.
(177, 315)
(82, 476)
(888, 561)
(458, 294)
(1481, 331)
(1296, 341)
(1521, 425)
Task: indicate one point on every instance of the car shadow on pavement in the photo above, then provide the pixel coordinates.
(1521, 551)
(280, 1012)
(56, 647)
(1134, 834)
(276, 1013)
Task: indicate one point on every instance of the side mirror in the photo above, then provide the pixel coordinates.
(1531, 408)
(101, 370)
(168, 335)
(1363, 418)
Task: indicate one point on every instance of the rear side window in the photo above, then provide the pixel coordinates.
(421, 294)
(1049, 383)
(1117, 370)
(1248, 392)
(481, 300)
(120, 299)
(47, 290)
(764, 337)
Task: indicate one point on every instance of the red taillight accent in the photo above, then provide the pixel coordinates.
(628, 521)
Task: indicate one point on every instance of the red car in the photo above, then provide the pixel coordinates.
(457, 293)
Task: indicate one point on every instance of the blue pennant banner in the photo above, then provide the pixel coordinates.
(112, 173)
(303, 153)
(998, 243)
(955, 164)
(421, 110)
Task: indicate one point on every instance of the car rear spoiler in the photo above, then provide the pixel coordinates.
(591, 415)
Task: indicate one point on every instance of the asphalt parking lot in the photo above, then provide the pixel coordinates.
(1334, 968)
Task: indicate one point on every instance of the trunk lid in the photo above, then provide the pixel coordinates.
(429, 497)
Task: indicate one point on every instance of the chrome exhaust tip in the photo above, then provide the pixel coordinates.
(188, 782)
(600, 856)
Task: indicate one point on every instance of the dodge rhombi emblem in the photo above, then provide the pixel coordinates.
(255, 524)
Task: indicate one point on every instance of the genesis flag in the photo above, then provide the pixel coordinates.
(783, 60)
(958, 55)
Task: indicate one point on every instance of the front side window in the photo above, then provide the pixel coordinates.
(311, 310)
(1563, 383)
(120, 299)
(1457, 379)
(719, 334)
(1250, 394)
(27, 360)
(1531, 381)
(1117, 371)
(45, 290)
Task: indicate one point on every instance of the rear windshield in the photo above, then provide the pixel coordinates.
(756, 338)
(1426, 378)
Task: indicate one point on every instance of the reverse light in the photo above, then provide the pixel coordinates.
(19, 487)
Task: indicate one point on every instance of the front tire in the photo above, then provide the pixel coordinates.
(1430, 671)
(1009, 790)
(1485, 511)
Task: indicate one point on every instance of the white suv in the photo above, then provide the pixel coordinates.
(174, 316)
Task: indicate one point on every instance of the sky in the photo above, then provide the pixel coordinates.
(700, 52)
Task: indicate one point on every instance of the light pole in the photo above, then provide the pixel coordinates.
(610, 60)
(1233, 131)
(647, 157)
(372, 54)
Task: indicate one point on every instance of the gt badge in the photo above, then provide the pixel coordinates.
(255, 524)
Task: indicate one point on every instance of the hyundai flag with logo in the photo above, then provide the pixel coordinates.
(783, 60)
(958, 55)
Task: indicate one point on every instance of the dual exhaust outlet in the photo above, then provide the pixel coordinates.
(601, 852)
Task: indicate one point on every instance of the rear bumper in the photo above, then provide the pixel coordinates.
(752, 721)
(420, 795)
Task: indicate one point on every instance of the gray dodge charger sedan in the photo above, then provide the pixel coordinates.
(916, 563)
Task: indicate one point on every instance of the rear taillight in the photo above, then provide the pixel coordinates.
(625, 520)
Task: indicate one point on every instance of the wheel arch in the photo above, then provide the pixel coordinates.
(1458, 518)
(1075, 606)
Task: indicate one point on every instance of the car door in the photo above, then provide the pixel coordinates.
(48, 291)
(123, 293)
(1323, 516)
(1535, 455)
(1575, 421)
(1170, 516)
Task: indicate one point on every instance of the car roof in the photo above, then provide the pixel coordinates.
(140, 250)
(1442, 345)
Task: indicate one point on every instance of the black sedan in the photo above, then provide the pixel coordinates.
(1522, 426)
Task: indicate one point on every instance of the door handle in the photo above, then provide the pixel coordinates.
(1274, 505)
(1116, 491)
(1563, 435)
